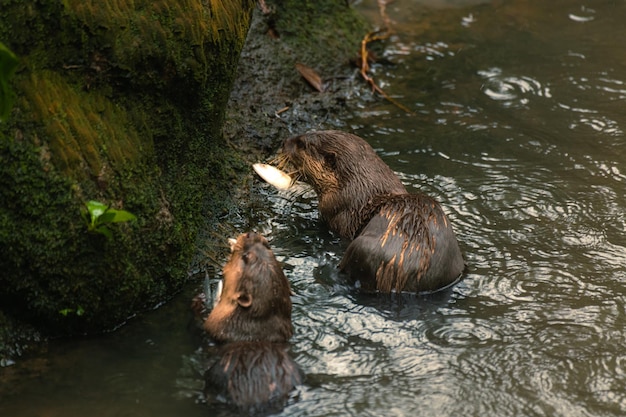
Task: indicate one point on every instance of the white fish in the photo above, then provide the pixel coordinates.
(218, 292)
(273, 176)
(212, 290)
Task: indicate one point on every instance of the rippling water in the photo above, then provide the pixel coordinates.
(518, 130)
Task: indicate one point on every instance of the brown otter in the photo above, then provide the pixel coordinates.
(402, 242)
(252, 321)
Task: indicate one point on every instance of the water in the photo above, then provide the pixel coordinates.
(518, 130)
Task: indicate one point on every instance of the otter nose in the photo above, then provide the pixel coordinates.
(289, 146)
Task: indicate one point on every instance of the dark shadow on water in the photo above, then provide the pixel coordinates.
(404, 306)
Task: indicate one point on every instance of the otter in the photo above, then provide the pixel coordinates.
(252, 323)
(400, 242)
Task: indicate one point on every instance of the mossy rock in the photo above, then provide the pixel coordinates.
(120, 102)
(320, 33)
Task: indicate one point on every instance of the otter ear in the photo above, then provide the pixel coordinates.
(244, 299)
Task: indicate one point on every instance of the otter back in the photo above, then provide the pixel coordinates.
(256, 376)
(408, 245)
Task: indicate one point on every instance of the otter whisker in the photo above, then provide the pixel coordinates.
(294, 174)
(297, 192)
(277, 160)
(212, 248)
(219, 238)
(283, 162)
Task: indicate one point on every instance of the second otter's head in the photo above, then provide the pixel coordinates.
(255, 303)
(345, 172)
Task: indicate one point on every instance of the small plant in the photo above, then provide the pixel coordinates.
(99, 215)
(79, 311)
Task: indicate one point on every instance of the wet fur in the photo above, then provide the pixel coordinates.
(402, 242)
(408, 245)
(252, 273)
(256, 376)
(252, 321)
(346, 174)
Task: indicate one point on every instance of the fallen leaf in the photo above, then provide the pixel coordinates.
(311, 76)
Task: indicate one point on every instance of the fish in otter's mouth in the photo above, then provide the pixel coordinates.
(273, 176)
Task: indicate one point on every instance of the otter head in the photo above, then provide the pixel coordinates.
(315, 157)
(344, 171)
(255, 303)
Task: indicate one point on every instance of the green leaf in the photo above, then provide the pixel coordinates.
(8, 63)
(78, 311)
(121, 216)
(101, 214)
(96, 209)
(103, 230)
(107, 217)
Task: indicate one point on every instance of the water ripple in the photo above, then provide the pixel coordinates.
(511, 91)
(462, 332)
(583, 15)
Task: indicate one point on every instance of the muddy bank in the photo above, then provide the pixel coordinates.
(270, 99)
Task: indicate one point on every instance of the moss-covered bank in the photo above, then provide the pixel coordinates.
(122, 102)
(124, 105)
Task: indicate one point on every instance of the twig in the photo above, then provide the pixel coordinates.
(364, 66)
(378, 35)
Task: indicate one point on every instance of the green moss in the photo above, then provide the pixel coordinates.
(120, 102)
(86, 130)
(52, 263)
(328, 33)
(167, 36)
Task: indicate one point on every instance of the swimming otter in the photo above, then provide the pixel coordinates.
(402, 242)
(252, 321)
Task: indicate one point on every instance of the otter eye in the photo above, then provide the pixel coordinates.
(331, 160)
(300, 142)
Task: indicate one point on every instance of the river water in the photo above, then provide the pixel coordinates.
(517, 128)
